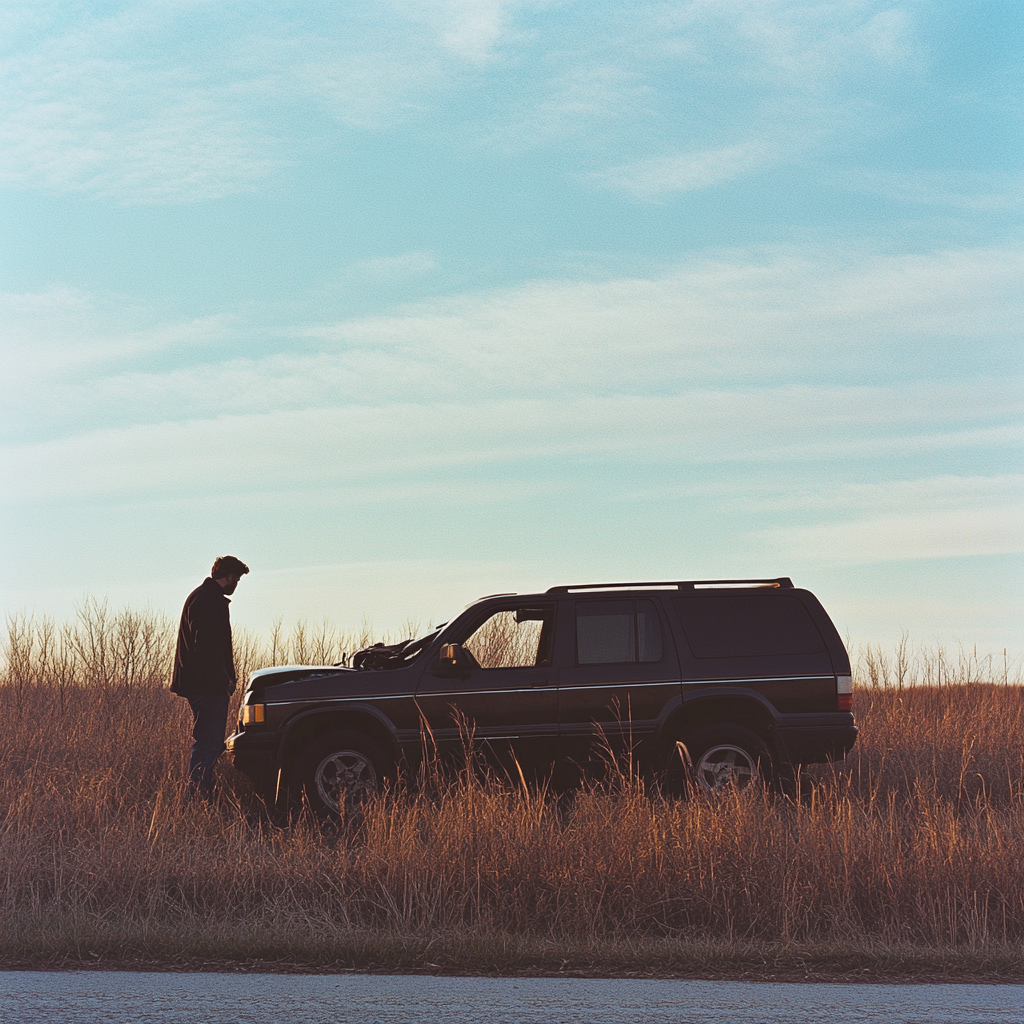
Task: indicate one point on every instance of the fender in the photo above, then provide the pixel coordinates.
(696, 694)
(336, 710)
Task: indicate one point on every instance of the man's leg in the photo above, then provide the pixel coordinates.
(209, 719)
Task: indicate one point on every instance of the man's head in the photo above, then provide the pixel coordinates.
(227, 571)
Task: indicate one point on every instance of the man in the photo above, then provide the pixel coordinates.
(204, 668)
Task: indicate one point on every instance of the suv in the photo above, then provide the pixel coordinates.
(715, 683)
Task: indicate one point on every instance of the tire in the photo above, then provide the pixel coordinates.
(727, 758)
(339, 771)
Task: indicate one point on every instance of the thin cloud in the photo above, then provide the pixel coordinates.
(939, 493)
(738, 319)
(95, 106)
(371, 90)
(471, 29)
(960, 533)
(657, 177)
(397, 268)
(64, 333)
(806, 45)
(588, 101)
(86, 113)
(358, 444)
(964, 190)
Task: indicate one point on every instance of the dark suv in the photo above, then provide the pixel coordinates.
(717, 682)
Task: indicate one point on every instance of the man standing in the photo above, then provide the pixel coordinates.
(204, 668)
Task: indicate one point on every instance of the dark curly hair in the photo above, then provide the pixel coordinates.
(228, 565)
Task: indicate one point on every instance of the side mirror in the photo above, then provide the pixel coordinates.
(453, 661)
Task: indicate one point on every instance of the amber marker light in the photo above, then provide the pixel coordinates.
(252, 714)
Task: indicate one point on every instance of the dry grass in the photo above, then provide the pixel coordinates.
(902, 862)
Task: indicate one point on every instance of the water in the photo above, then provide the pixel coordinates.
(110, 997)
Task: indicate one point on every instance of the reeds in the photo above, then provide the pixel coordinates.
(907, 853)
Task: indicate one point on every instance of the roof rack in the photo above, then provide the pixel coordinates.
(487, 597)
(778, 582)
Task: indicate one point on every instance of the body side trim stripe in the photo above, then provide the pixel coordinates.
(745, 681)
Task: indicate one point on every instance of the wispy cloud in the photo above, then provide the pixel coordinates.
(181, 103)
(819, 71)
(875, 498)
(726, 384)
(899, 520)
(92, 108)
(893, 520)
(65, 333)
(960, 533)
(807, 45)
(372, 89)
(590, 100)
(184, 102)
(821, 522)
(355, 445)
(964, 190)
(470, 29)
(656, 177)
(395, 268)
(156, 103)
(739, 319)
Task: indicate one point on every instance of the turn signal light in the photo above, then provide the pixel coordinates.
(845, 701)
(252, 714)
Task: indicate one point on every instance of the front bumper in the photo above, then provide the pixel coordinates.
(812, 739)
(254, 754)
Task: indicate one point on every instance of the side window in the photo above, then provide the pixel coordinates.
(612, 632)
(739, 625)
(514, 638)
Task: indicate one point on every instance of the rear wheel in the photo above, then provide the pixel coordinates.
(339, 771)
(726, 757)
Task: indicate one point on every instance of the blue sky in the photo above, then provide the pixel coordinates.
(407, 302)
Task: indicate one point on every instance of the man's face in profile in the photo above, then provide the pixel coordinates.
(232, 582)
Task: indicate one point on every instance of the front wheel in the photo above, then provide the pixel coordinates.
(727, 757)
(339, 771)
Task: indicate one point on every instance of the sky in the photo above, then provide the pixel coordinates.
(408, 302)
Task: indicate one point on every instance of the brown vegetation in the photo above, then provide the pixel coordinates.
(904, 861)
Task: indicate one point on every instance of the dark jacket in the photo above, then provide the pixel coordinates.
(203, 663)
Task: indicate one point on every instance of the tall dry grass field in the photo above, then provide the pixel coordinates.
(904, 861)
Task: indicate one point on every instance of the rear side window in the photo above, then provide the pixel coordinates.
(738, 625)
(612, 632)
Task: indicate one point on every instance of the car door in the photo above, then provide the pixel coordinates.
(624, 671)
(507, 697)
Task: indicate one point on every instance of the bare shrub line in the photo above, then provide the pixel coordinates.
(133, 648)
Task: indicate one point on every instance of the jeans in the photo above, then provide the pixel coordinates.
(209, 719)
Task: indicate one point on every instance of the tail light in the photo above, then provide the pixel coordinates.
(844, 693)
